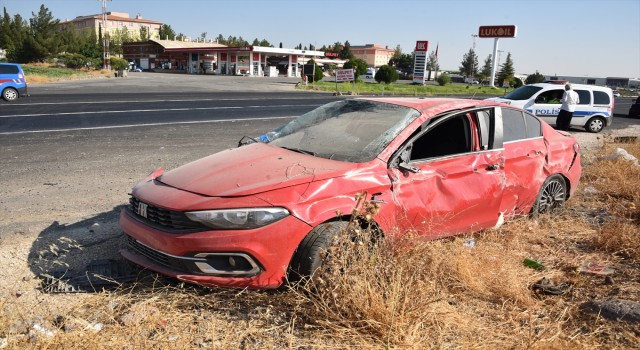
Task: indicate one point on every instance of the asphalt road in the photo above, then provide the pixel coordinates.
(147, 99)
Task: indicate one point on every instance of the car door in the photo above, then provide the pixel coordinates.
(448, 178)
(525, 155)
(546, 105)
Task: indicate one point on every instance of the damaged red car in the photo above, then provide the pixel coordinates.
(439, 167)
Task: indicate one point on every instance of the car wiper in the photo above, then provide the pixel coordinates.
(300, 151)
(246, 140)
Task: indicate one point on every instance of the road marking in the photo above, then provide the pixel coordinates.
(154, 101)
(147, 110)
(137, 125)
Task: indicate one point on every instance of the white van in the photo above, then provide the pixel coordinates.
(594, 112)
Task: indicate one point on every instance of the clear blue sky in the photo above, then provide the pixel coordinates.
(596, 38)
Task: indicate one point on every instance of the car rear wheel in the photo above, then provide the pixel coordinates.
(313, 249)
(10, 94)
(595, 125)
(552, 195)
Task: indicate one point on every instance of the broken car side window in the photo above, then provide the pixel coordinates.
(450, 137)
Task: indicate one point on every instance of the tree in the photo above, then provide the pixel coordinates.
(534, 78)
(386, 74)
(469, 65)
(166, 32)
(280, 45)
(486, 68)
(119, 63)
(43, 40)
(403, 62)
(443, 79)
(346, 53)
(317, 72)
(432, 64)
(359, 66)
(506, 72)
(144, 33)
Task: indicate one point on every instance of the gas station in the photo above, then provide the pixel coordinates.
(214, 58)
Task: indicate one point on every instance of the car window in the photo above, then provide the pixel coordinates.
(550, 96)
(449, 137)
(8, 69)
(601, 98)
(350, 130)
(514, 125)
(523, 93)
(584, 96)
(534, 127)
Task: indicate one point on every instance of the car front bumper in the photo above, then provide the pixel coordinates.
(257, 258)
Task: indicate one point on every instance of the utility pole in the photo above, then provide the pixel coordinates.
(106, 64)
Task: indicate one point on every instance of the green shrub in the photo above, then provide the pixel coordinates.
(74, 60)
(443, 79)
(119, 63)
(386, 74)
(517, 82)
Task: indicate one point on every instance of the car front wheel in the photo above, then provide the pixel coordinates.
(314, 249)
(595, 125)
(10, 94)
(552, 195)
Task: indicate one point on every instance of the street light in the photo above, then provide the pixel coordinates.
(474, 36)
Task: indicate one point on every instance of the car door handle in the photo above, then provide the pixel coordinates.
(493, 167)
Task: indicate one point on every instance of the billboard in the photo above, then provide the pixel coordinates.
(507, 31)
(344, 75)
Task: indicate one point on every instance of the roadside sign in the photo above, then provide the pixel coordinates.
(420, 61)
(344, 75)
(508, 31)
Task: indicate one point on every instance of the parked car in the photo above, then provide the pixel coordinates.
(254, 215)
(13, 84)
(616, 93)
(634, 111)
(594, 112)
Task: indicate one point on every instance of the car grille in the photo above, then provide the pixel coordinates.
(166, 219)
(156, 256)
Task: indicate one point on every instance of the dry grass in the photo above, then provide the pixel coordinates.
(403, 293)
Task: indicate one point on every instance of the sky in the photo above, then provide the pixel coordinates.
(594, 38)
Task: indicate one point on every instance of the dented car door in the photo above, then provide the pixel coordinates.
(448, 179)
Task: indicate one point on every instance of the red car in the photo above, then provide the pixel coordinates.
(244, 217)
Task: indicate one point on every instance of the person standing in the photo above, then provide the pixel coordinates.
(570, 99)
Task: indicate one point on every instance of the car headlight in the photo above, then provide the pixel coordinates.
(238, 219)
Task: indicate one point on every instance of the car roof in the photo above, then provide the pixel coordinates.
(434, 105)
(573, 86)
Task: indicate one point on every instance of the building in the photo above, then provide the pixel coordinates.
(209, 57)
(374, 54)
(3, 54)
(118, 24)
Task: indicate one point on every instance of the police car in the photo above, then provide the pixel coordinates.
(594, 111)
(12, 81)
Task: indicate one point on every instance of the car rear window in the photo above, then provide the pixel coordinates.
(514, 127)
(584, 96)
(8, 69)
(601, 98)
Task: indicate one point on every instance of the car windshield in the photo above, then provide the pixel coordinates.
(349, 130)
(523, 93)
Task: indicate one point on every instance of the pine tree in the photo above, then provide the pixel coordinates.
(469, 65)
(507, 71)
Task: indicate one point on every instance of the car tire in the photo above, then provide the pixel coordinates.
(552, 195)
(595, 125)
(10, 94)
(311, 252)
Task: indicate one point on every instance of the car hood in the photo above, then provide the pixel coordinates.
(252, 169)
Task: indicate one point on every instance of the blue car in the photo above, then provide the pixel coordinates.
(12, 81)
